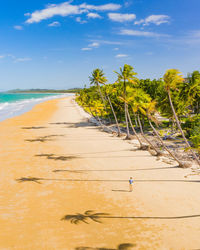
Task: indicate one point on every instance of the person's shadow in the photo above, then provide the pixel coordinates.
(118, 190)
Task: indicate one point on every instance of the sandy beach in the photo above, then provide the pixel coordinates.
(55, 167)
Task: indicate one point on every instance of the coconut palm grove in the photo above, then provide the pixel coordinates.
(163, 115)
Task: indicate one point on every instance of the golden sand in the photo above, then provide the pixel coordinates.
(54, 164)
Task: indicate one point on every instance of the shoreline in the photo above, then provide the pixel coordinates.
(79, 168)
(10, 109)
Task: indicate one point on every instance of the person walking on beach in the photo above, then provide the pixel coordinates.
(130, 184)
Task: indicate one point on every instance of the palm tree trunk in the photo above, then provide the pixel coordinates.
(165, 147)
(127, 126)
(99, 120)
(146, 139)
(179, 126)
(135, 133)
(136, 123)
(103, 100)
(125, 110)
(118, 128)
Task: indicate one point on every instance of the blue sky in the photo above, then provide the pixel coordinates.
(57, 44)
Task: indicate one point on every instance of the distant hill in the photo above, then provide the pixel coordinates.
(74, 90)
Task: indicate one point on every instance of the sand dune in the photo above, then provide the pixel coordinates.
(64, 185)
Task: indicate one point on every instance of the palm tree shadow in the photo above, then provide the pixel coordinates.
(29, 179)
(38, 140)
(70, 171)
(115, 190)
(111, 170)
(80, 125)
(89, 214)
(34, 127)
(60, 123)
(57, 158)
(43, 138)
(97, 217)
(123, 246)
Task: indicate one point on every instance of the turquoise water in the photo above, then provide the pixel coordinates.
(15, 104)
(5, 97)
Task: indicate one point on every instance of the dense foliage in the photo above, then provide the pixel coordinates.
(172, 102)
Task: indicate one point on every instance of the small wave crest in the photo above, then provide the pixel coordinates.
(11, 109)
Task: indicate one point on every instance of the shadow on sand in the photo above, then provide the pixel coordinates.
(33, 127)
(43, 138)
(74, 125)
(123, 246)
(120, 190)
(91, 216)
(34, 179)
(111, 170)
(57, 158)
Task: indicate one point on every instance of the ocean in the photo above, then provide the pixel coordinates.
(16, 104)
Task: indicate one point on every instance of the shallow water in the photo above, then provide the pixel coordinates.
(16, 104)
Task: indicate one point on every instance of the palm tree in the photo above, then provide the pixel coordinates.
(137, 100)
(131, 94)
(150, 110)
(126, 76)
(108, 91)
(96, 79)
(190, 91)
(172, 80)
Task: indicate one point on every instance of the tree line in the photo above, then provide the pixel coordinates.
(143, 106)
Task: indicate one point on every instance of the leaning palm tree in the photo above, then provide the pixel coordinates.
(126, 76)
(129, 100)
(150, 111)
(108, 91)
(190, 91)
(172, 80)
(137, 100)
(96, 79)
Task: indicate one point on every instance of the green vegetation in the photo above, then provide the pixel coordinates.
(167, 107)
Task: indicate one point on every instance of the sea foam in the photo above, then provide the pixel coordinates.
(11, 109)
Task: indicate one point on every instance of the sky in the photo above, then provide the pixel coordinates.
(57, 44)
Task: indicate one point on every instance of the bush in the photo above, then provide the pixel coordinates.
(192, 128)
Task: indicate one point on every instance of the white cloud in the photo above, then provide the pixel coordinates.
(63, 9)
(116, 49)
(86, 49)
(117, 17)
(108, 42)
(2, 56)
(79, 20)
(105, 7)
(155, 19)
(18, 27)
(23, 59)
(94, 45)
(93, 15)
(140, 33)
(66, 9)
(54, 24)
(91, 46)
(121, 55)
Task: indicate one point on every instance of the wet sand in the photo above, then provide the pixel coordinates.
(55, 166)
